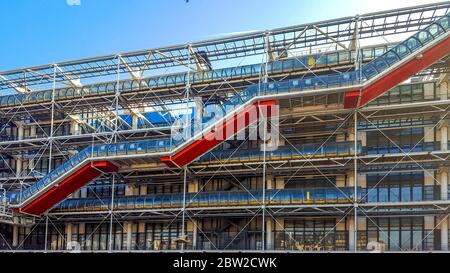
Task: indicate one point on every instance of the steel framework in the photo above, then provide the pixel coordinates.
(52, 131)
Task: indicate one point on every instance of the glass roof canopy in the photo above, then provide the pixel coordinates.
(305, 36)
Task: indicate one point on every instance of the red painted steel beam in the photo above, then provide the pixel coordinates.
(67, 186)
(358, 98)
(218, 135)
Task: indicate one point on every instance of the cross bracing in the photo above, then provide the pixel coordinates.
(319, 141)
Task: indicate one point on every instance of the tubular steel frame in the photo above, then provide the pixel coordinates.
(267, 44)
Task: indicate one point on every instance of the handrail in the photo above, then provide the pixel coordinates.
(239, 100)
(274, 197)
(152, 146)
(285, 65)
(216, 198)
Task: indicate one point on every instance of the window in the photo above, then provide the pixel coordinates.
(398, 233)
(310, 235)
(389, 141)
(395, 187)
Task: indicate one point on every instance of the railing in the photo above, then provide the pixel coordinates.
(19, 196)
(402, 148)
(299, 151)
(154, 146)
(405, 93)
(6, 214)
(406, 48)
(305, 151)
(400, 193)
(368, 71)
(161, 145)
(95, 151)
(281, 66)
(214, 199)
(278, 197)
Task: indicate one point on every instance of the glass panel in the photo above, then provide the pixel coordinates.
(423, 36)
(412, 43)
(401, 50)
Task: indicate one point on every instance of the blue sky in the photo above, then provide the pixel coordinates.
(45, 31)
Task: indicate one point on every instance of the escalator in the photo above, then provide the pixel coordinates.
(86, 166)
(361, 86)
(225, 130)
(400, 63)
(68, 185)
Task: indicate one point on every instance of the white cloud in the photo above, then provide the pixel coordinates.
(73, 2)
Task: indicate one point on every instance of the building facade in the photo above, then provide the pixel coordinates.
(359, 156)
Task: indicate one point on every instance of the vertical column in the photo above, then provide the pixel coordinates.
(68, 234)
(355, 185)
(362, 180)
(15, 239)
(141, 226)
(350, 134)
(74, 126)
(183, 209)
(444, 135)
(350, 179)
(46, 233)
(266, 235)
(428, 178)
(270, 182)
(362, 226)
(32, 131)
(443, 172)
(135, 113)
(340, 181)
(277, 223)
(444, 183)
(193, 186)
(429, 137)
(264, 167)
(31, 159)
(198, 108)
(443, 86)
(362, 136)
(351, 176)
(192, 228)
(351, 233)
(340, 232)
(428, 91)
(143, 189)
(82, 232)
(130, 189)
(429, 227)
(269, 233)
(279, 229)
(444, 233)
(134, 121)
(129, 229)
(83, 192)
(19, 164)
(52, 121)
(279, 183)
(20, 130)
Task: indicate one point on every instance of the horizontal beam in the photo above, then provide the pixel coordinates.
(377, 24)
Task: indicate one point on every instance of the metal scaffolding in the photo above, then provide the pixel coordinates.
(52, 129)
